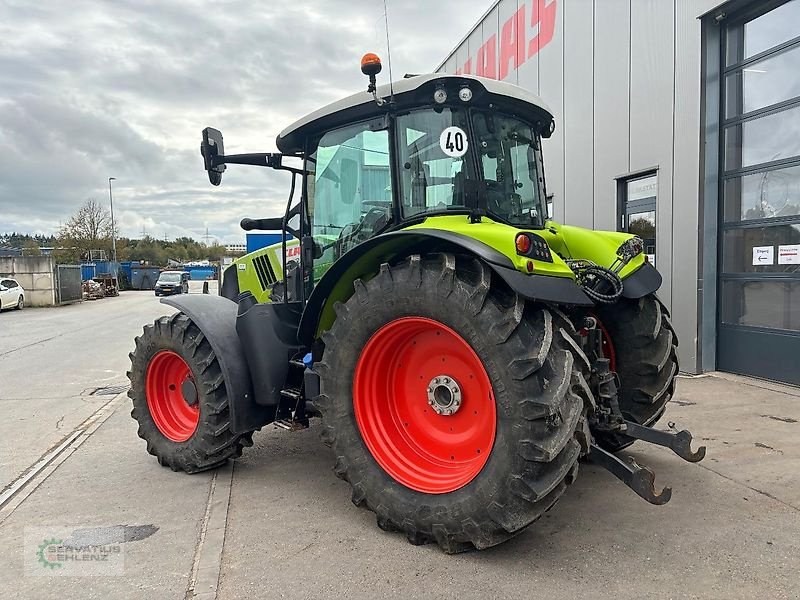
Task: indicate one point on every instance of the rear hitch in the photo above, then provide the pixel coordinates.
(680, 443)
(640, 479)
(608, 419)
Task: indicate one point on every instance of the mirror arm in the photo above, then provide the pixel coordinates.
(260, 159)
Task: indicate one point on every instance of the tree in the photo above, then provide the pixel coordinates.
(149, 250)
(31, 248)
(643, 227)
(88, 229)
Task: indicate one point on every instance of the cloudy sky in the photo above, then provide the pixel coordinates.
(122, 88)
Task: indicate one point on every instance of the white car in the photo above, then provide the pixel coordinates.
(11, 294)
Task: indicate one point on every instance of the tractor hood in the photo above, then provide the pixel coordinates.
(589, 244)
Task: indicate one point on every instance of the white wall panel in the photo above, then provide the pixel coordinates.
(686, 181)
(551, 90)
(474, 42)
(611, 105)
(578, 120)
(651, 122)
(528, 58)
(462, 54)
(506, 11)
(449, 65)
(490, 28)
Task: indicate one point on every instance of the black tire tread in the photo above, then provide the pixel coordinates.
(212, 443)
(647, 361)
(550, 407)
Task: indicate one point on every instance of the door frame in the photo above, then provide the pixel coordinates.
(710, 239)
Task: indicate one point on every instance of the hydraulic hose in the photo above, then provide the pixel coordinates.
(599, 283)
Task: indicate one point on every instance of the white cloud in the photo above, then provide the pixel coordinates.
(123, 89)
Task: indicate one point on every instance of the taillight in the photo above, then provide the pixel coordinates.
(533, 246)
(523, 244)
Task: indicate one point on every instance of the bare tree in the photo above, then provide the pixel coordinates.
(88, 229)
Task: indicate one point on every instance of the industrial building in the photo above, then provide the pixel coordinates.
(678, 120)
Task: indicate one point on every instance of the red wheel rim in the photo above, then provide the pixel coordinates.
(404, 424)
(164, 382)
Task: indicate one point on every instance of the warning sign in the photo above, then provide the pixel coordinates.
(789, 254)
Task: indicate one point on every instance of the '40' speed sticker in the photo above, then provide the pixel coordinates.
(453, 142)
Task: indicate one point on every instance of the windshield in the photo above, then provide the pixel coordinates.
(170, 278)
(507, 156)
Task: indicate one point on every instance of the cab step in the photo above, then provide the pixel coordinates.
(290, 424)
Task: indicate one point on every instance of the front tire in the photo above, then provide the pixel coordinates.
(504, 456)
(644, 346)
(20, 303)
(180, 399)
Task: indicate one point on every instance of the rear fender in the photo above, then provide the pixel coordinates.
(645, 280)
(216, 318)
(364, 261)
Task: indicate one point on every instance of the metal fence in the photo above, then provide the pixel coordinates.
(68, 284)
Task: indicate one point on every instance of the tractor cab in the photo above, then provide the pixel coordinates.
(395, 157)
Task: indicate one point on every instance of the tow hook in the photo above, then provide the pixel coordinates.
(640, 479)
(680, 443)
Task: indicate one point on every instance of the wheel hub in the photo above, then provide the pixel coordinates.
(444, 395)
(189, 392)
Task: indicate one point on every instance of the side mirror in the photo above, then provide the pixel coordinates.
(211, 148)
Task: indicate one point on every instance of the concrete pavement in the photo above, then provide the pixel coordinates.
(52, 360)
(290, 531)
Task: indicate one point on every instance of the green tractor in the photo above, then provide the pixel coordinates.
(463, 351)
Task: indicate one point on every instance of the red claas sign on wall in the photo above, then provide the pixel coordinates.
(528, 30)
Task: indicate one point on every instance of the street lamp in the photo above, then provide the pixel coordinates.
(113, 230)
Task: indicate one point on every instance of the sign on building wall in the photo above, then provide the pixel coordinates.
(763, 255)
(519, 39)
(789, 254)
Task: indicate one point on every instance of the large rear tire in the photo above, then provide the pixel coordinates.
(179, 397)
(643, 343)
(478, 475)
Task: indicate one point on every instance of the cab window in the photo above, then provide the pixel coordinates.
(349, 190)
(433, 156)
(507, 152)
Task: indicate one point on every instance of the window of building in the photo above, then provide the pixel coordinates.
(637, 209)
(760, 171)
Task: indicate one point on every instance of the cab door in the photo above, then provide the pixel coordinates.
(349, 190)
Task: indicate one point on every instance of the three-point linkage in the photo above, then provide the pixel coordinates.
(608, 419)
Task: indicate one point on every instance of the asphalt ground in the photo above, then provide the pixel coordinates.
(277, 523)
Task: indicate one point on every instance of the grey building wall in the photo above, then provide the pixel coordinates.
(623, 78)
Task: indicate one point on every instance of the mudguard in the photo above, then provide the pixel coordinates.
(216, 318)
(364, 260)
(268, 335)
(641, 282)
